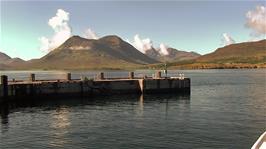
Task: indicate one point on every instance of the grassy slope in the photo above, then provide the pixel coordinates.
(78, 60)
(248, 52)
(241, 55)
(109, 52)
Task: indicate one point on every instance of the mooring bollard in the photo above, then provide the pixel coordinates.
(4, 83)
(32, 77)
(131, 75)
(158, 74)
(100, 76)
(68, 76)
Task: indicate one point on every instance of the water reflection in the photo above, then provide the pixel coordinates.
(60, 118)
(4, 114)
(169, 102)
(141, 106)
(59, 123)
(4, 110)
(61, 107)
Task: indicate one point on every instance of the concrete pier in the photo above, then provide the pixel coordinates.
(99, 86)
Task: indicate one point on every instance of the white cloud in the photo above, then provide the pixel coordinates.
(59, 20)
(163, 49)
(90, 34)
(256, 20)
(44, 44)
(62, 31)
(141, 44)
(227, 39)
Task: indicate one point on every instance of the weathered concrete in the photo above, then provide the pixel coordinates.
(166, 85)
(100, 86)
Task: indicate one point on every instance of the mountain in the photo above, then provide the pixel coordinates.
(171, 55)
(240, 55)
(7, 62)
(14, 62)
(109, 52)
(246, 52)
(4, 57)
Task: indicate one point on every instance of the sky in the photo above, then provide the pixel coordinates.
(30, 29)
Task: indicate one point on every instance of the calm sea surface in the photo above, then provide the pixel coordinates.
(226, 109)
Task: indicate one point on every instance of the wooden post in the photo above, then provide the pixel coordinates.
(32, 77)
(100, 76)
(131, 75)
(4, 83)
(158, 74)
(68, 76)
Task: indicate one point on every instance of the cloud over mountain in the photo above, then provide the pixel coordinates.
(146, 44)
(227, 39)
(163, 49)
(141, 44)
(62, 31)
(256, 20)
(90, 34)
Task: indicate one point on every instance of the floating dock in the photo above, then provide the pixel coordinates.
(14, 89)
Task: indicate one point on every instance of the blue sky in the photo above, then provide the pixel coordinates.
(185, 25)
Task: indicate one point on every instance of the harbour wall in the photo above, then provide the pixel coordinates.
(99, 86)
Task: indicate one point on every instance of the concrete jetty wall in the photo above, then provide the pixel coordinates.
(99, 86)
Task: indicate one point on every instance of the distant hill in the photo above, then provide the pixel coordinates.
(173, 55)
(109, 52)
(4, 66)
(246, 52)
(240, 55)
(7, 62)
(4, 57)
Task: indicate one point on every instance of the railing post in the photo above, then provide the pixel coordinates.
(4, 83)
(32, 77)
(131, 75)
(68, 76)
(158, 74)
(100, 76)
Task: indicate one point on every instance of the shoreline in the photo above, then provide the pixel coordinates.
(171, 68)
(178, 67)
